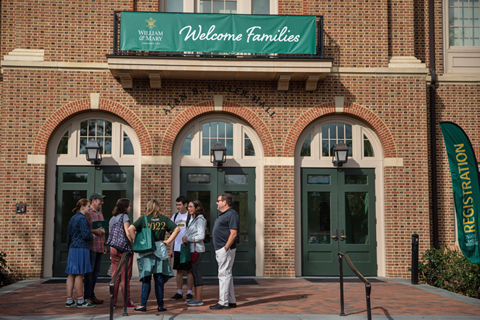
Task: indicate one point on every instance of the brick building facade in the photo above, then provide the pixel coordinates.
(159, 114)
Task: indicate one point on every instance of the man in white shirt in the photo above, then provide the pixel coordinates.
(181, 218)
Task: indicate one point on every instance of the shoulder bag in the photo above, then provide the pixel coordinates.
(118, 238)
(144, 240)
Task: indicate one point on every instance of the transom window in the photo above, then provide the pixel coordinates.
(99, 130)
(320, 140)
(235, 137)
(110, 135)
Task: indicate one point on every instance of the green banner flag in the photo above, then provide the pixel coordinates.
(466, 189)
(229, 33)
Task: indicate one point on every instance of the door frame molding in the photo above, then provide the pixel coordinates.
(54, 160)
(355, 162)
(256, 162)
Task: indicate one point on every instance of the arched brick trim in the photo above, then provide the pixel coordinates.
(353, 109)
(76, 107)
(244, 113)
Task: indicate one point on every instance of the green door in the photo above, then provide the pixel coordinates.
(74, 183)
(205, 184)
(338, 215)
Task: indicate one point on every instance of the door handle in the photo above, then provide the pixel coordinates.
(335, 236)
(342, 236)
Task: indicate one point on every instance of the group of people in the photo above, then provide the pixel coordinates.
(187, 227)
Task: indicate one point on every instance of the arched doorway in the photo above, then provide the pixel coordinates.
(240, 175)
(71, 177)
(339, 206)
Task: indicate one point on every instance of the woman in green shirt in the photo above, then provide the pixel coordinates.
(154, 262)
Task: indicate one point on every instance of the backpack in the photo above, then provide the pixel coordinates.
(188, 218)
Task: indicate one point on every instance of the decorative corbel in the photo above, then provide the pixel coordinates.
(283, 82)
(126, 79)
(311, 82)
(155, 80)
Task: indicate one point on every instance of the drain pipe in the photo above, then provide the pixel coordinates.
(433, 122)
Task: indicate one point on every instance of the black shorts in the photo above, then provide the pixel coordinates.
(176, 262)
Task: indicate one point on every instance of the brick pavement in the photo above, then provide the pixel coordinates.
(269, 296)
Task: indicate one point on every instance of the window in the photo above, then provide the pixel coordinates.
(249, 149)
(220, 6)
(63, 144)
(305, 152)
(99, 130)
(187, 146)
(462, 37)
(217, 131)
(318, 141)
(333, 134)
(463, 26)
(216, 6)
(196, 141)
(116, 138)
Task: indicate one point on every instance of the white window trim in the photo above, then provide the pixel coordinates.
(458, 59)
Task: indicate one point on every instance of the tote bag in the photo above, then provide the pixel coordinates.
(144, 240)
(185, 255)
(118, 238)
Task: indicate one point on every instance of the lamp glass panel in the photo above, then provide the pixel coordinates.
(342, 156)
(92, 154)
(218, 155)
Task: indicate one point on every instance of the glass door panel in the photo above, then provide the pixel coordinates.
(319, 218)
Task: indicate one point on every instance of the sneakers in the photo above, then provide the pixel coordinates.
(189, 296)
(219, 307)
(194, 303)
(177, 296)
(85, 304)
(131, 305)
(70, 304)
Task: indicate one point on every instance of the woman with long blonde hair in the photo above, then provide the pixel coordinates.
(149, 263)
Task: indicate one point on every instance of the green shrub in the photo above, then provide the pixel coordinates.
(450, 270)
(6, 273)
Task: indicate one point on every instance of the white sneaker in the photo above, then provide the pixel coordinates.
(195, 303)
(85, 304)
(70, 304)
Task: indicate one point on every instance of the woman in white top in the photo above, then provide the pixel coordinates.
(195, 235)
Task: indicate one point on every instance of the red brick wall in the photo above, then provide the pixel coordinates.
(459, 103)
(35, 102)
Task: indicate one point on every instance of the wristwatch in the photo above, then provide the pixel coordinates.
(226, 248)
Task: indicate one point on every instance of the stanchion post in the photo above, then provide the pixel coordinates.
(414, 267)
(342, 304)
(126, 286)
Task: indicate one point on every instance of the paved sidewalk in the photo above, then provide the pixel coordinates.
(257, 298)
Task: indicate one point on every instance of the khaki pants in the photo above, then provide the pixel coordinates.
(225, 280)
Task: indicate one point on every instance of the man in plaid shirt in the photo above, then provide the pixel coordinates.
(97, 249)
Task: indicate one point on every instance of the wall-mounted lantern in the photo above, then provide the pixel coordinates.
(218, 155)
(340, 155)
(93, 152)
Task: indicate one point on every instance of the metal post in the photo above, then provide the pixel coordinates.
(126, 286)
(342, 304)
(414, 267)
(368, 290)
